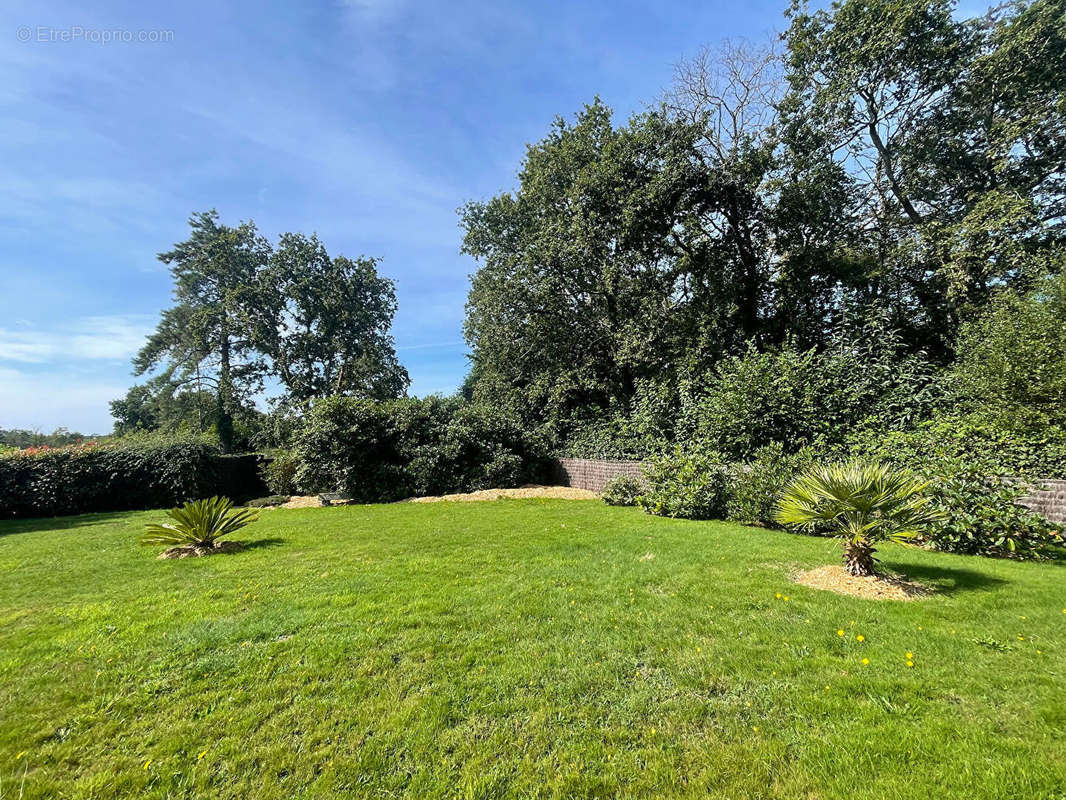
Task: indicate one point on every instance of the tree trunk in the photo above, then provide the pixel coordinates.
(225, 396)
(859, 558)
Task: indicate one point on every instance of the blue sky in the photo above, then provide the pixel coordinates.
(369, 122)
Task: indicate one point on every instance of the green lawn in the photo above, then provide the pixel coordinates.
(515, 649)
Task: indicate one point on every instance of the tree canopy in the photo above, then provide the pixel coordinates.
(892, 161)
(246, 313)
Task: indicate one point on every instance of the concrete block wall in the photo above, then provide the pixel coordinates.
(593, 474)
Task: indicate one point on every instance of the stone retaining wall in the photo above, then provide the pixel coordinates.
(593, 474)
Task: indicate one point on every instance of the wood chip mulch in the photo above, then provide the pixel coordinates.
(874, 587)
(555, 492)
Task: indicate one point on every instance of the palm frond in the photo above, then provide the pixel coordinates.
(860, 501)
(201, 522)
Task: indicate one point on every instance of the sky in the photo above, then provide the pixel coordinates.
(368, 122)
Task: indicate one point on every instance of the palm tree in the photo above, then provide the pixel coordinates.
(862, 503)
(199, 524)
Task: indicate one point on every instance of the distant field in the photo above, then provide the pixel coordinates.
(517, 648)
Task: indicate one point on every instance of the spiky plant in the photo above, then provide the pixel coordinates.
(200, 523)
(862, 503)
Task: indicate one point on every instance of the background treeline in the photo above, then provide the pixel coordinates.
(848, 242)
(852, 238)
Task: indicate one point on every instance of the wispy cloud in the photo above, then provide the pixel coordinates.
(45, 400)
(115, 337)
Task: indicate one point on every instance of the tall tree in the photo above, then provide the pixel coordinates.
(570, 308)
(206, 338)
(325, 323)
(953, 132)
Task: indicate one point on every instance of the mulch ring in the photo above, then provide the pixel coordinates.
(872, 587)
(192, 551)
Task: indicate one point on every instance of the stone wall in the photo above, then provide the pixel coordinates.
(1050, 501)
(593, 474)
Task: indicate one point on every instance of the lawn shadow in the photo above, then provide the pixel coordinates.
(946, 580)
(10, 527)
(255, 544)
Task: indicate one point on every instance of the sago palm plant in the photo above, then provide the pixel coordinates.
(199, 524)
(862, 503)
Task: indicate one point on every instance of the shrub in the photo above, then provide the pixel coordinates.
(124, 474)
(812, 397)
(862, 504)
(687, 484)
(756, 490)
(279, 472)
(379, 451)
(980, 516)
(622, 490)
(985, 441)
(199, 524)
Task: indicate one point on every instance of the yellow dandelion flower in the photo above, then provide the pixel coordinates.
(866, 661)
(860, 638)
(200, 757)
(785, 597)
(840, 632)
(778, 595)
(910, 663)
(910, 655)
(755, 728)
(146, 763)
(20, 755)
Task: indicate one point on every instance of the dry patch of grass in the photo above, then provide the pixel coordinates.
(873, 587)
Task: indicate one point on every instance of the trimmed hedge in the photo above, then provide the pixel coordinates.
(121, 476)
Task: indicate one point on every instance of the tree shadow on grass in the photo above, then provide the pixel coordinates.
(9, 527)
(945, 580)
(255, 544)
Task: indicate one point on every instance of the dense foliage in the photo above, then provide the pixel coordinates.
(687, 484)
(387, 450)
(979, 515)
(757, 487)
(623, 490)
(793, 246)
(125, 474)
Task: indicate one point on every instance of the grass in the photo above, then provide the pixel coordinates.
(515, 649)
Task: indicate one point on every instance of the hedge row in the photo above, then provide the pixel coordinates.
(120, 477)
